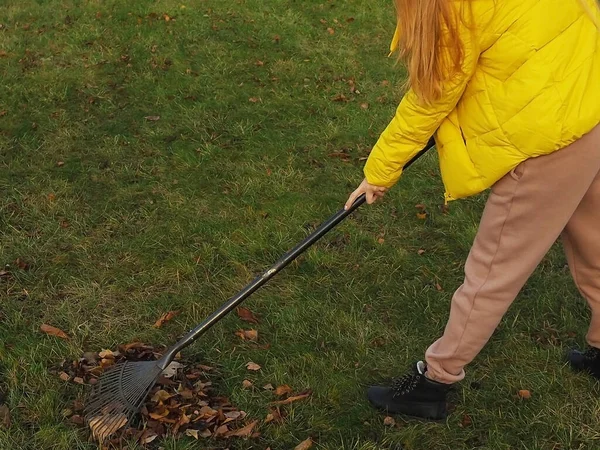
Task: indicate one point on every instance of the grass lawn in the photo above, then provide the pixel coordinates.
(267, 109)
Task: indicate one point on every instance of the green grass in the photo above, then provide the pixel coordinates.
(180, 213)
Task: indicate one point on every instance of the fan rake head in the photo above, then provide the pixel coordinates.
(118, 396)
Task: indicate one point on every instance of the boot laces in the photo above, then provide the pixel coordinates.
(405, 384)
(592, 354)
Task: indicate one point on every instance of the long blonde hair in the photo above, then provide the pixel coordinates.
(427, 27)
(429, 41)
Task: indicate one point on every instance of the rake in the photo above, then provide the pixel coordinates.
(121, 390)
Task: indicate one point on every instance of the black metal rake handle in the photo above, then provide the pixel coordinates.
(260, 280)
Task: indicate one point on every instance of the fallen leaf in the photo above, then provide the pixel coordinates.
(330, 30)
(21, 264)
(244, 431)
(53, 331)
(222, 430)
(381, 240)
(422, 216)
(192, 433)
(78, 380)
(420, 206)
(166, 17)
(172, 369)
(64, 376)
(268, 387)
(466, 421)
(77, 419)
(276, 38)
(165, 318)
(152, 118)
(259, 63)
(438, 286)
(340, 98)
(304, 445)
(283, 390)
(350, 19)
(3, 54)
(148, 437)
(246, 315)
(524, 393)
(161, 396)
(389, 421)
(421, 251)
(364, 105)
(106, 354)
(254, 99)
(323, 21)
(159, 415)
(252, 366)
(250, 335)
(247, 384)
(5, 416)
(295, 398)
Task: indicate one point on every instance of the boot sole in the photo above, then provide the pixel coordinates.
(432, 412)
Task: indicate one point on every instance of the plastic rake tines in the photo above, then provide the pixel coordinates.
(118, 395)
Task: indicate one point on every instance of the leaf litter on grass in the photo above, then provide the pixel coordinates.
(182, 403)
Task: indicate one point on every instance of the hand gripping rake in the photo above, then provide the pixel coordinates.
(122, 389)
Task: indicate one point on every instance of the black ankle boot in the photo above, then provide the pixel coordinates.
(588, 361)
(413, 394)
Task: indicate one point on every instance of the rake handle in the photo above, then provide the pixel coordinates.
(260, 280)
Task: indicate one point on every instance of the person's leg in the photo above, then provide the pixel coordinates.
(581, 239)
(525, 214)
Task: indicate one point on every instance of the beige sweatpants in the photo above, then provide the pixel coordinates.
(528, 209)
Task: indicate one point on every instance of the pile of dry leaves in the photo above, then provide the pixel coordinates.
(181, 403)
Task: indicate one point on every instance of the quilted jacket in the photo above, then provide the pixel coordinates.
(530, 85)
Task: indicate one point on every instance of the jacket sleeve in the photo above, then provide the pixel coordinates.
(415, 123)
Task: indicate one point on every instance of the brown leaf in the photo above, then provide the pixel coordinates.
(421, 206)
(77, 419)
(161, 396)
(438, 286)
(381, 240)
(304, 445)
(222, 430)
(421, 251)
(350, 19)
(152, 118)
(106, 354)
(246, 315)
(259, 63)
(3, 54)
(247, 384)
(64, 376)
(53, 331)
(524, 393)
(165, 318)
(268, 387)
(330, 30)
(295, 398)
(159, 415)
(23, 265)
(323, 21)
(254, 99)
(147, 436)
(422, 216)
(78, 380)
(252, 366)
(251, 335)
(466, 421)
(192, 433)
(364, 105)
(244, 431)
(5, 416)
(283, 390)
(340, 98)
(276, 38)
(389, 421)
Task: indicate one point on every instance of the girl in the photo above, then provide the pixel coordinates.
(511, 90)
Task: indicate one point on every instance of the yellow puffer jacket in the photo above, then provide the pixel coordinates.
(531, 86)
